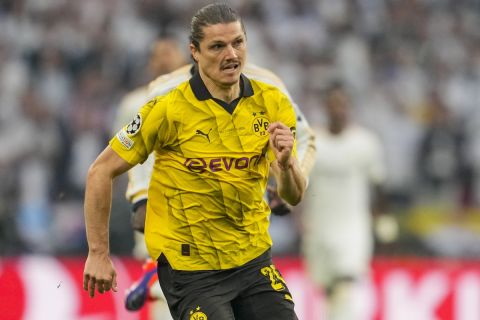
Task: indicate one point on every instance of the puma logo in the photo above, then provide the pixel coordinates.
(206, 135)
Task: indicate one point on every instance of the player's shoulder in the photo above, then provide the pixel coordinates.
(261, 87)
(259, 73)
(179, 73)
(136, 94)
(132, 101)
(264, 76)
(165, 83)
(176, 101)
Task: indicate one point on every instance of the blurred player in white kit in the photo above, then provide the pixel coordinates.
(147, 288)
(337, 239)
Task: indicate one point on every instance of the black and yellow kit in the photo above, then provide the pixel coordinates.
(206, 209)
(254, 291)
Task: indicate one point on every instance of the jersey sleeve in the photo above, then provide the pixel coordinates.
(147, 130)
(139, 175)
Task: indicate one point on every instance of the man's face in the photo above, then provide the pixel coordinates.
(222, 53)
(337, 106)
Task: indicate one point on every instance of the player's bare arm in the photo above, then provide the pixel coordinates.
(99, 272)
(290, 180)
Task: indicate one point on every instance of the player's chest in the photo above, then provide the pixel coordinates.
(212, 129)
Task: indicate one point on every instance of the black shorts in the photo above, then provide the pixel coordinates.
(253, 291)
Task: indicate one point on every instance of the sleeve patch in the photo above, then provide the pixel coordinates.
(134, 126)
(124, 139)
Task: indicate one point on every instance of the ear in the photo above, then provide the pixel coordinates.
(193, 52)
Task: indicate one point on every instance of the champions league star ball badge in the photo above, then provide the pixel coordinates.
(134, 126)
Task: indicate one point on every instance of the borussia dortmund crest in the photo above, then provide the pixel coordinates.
(197, 314)
(260, 125)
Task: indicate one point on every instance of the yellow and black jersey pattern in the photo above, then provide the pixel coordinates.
(206, 209)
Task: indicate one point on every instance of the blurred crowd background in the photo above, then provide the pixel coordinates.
(412, 68)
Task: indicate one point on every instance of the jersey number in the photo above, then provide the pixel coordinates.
(276, 279)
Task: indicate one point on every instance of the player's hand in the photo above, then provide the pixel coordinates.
(281, 142)
(99, 273)
(277, 205)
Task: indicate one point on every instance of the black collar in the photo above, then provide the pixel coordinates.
(201, 91)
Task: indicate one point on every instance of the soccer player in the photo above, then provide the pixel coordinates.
(165, 57)
(337, 238)
(147, 288)
(216, 137)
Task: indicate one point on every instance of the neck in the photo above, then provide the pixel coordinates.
(224, 92)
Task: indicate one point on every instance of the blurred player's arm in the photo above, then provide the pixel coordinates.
(306, 149)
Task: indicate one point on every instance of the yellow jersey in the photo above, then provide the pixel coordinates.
(206, 209)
